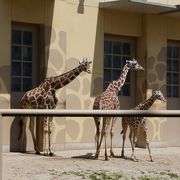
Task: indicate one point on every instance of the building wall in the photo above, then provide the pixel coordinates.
(5, 66)
(170, 2)
(21, 12)
(73, 30)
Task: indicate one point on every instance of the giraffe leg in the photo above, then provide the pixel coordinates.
(106, 123)
(100, 142)
(97, 136)
(22, 135)
(133, 145)
(111, 149)
(49, 135)
(31, 128)
(147, 142)
(105, 143)
(99, 146)
(124, 126)
(131, 138)
(113, 120)
(45, 136)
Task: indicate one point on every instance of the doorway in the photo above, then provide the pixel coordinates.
(25, 65)
(24, 60)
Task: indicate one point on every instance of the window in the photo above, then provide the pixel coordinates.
(173, 62)
(21, 60)
(116, 51)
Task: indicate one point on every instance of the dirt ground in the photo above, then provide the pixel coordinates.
(79, 164)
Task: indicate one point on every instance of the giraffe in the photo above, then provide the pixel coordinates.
(135, 123)
(44, 97)
(109, 100)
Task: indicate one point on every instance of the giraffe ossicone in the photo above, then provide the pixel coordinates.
(109, 100)
(44, 97)
(135, 123)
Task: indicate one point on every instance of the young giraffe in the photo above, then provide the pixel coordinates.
(134, 123)
(109, 100)
(44, 97)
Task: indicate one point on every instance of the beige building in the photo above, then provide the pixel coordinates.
(42, 38)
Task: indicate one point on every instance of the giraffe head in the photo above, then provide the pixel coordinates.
(85, 65)
(159, 95)
(134, 65)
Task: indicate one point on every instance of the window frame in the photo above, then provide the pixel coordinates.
(23, 28)
(123, 40)
(171, 71)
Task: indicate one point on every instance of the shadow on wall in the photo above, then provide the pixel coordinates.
(156, 81)
(17, 144)
(80, 8)
(97, 69)
(47, 35)
(50, 35)
(54, 56)
(157, 71)
(4, 81)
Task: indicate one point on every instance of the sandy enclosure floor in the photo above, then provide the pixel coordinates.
(79, 164)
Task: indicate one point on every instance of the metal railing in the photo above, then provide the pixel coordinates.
(82, 113)
(89, 113)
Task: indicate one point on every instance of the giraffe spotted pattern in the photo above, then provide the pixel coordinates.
(135, 123)
(109, 100)
(44, 97)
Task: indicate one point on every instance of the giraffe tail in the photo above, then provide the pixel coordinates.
(20, 134)
(96, 139)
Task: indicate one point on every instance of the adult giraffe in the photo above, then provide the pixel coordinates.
(109, 100)
(44, 97)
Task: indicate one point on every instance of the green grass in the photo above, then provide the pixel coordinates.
(170, 174)
(106, 175)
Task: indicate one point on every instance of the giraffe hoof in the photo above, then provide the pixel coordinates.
(51, 154)
(106, 159)
(135, 160)
(111, 155)
(37, 152)
(122, 156)
(45, 154)
(96, 157)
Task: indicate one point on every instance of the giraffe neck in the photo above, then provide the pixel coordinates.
(148, 103)
(58, 82)
(121, 80)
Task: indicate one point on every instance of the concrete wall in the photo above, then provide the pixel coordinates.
(73, 30)
(5, 15)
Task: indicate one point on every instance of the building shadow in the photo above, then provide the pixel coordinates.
(97, 69)
(80, 8)
(46, 36)
(86, 156)
(4, 81)
(17, 144)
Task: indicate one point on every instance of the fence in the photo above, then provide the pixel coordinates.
(82, 113)
(88, 113)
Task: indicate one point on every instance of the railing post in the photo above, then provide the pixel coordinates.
(0, 146)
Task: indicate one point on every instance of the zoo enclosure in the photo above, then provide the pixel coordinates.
(82, 113)
(88, 113)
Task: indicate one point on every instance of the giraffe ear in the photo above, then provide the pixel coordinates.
(81, 61)
(134, 60)
(84, 61)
